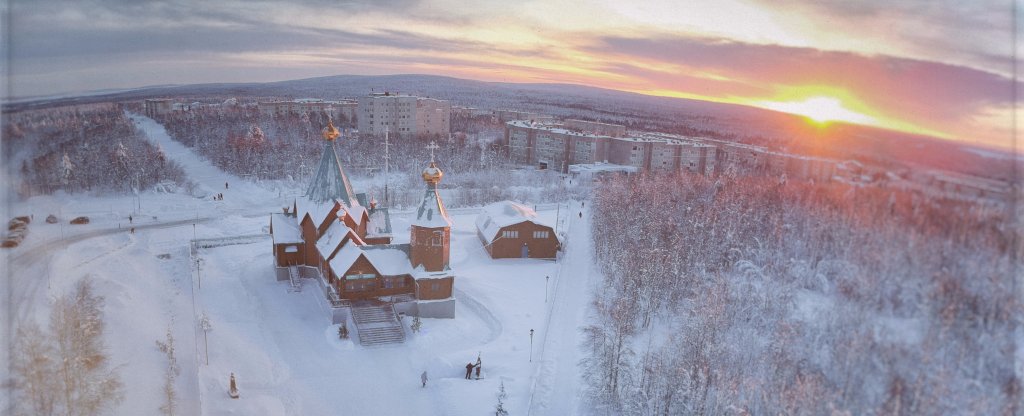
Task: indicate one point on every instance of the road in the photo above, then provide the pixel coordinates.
(557, 383)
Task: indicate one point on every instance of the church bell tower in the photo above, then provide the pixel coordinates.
(431, 230)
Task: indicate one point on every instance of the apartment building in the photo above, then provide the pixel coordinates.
(593, 127)
(403, 115)
(505, 116)
(344, 109)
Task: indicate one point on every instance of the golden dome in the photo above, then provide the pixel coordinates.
(432, 174)
(330, 132)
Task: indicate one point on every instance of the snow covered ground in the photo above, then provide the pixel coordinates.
(280, 344)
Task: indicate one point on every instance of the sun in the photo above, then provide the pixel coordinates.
(820, 109)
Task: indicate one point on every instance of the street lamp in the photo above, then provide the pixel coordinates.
(546, 278)
(531, 345)
(204, 324)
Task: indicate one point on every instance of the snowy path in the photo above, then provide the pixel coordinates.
(240, 193)
(557, 379)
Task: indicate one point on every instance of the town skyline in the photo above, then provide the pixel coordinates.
(941, 69)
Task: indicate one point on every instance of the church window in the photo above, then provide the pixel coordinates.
(510, 234)
(435, 286)
(437, 239)
(540, 234)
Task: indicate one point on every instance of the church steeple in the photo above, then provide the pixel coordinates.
(330, 182)
(431, 230)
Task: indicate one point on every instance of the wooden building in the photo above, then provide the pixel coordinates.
(330, 231)
(511, 230)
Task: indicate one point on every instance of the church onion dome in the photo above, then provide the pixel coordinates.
(432, 174)
(330, 132)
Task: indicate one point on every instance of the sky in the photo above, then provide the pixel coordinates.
(939, 67)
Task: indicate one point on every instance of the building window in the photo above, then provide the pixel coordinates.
(540, 234)
(359, 276)
(437, 239)
(434, 287)
(510, 234)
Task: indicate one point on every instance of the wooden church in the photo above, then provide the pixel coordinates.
(346, 240)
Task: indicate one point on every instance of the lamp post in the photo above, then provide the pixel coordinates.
(531, 345)
(204, 324)
(546, 278)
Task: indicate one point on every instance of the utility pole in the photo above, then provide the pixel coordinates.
(387, 166)
(546, 278)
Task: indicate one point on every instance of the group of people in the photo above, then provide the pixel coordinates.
(469, 371)
(471, 366)
(218, 197)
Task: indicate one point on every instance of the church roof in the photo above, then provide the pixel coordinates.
(390, 260)
(380, 223)
(285, 229)
(431, 212)
(330, 182)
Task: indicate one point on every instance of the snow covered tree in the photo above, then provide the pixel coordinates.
(87, 386)
(170, 393)
(66, 170)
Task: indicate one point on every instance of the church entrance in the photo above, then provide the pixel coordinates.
(525, 251)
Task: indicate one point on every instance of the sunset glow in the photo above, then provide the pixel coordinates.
(829, 62)
(820, 109)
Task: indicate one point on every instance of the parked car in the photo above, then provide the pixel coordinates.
(80, 220)
(52, 219)
(16, 223)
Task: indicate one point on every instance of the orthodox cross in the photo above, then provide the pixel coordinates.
(433, 145)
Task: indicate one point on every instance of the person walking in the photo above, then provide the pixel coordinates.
(423, 378)
(225, 185)
(129, 219)
(469, 370)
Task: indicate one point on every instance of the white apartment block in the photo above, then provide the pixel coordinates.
(403, 115)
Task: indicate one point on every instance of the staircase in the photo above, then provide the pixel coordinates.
(377, 325)
(294, 279)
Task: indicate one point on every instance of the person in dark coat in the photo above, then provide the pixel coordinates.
(423, 378)
(469, 370)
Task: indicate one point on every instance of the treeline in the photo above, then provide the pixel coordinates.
(759, 296)
(83, 148)
(257, 146)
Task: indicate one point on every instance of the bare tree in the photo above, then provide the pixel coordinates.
(35, 372)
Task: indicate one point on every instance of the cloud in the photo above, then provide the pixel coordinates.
(923, 92)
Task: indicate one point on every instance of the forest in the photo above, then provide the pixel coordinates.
(765, 296)
(91, 148)
(288, 147)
